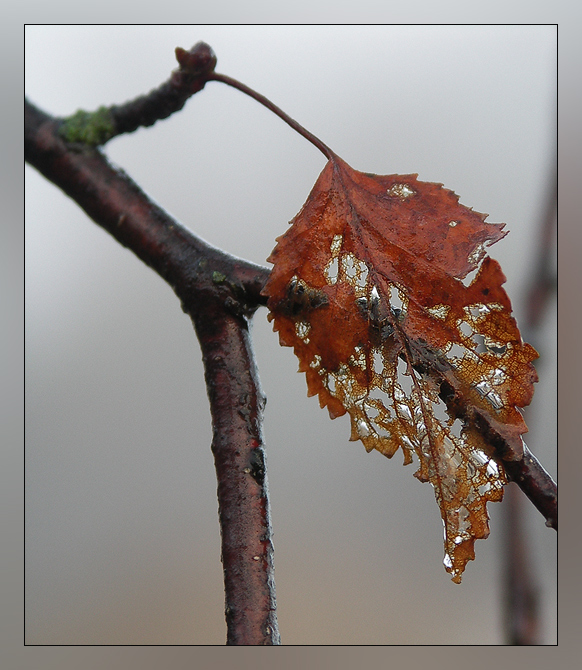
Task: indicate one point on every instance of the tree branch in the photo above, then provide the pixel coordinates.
(537, 485)
(97, 128)
(237, 403)
(220, 293)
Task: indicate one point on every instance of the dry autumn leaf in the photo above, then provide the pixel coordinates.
(367, 287)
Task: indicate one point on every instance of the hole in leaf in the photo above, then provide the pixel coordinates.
(302, 329)
(468, 278)
(404, 380)
(497, 348)
(350, 267)
(463, 518)
(457, 351)
(440, 411)
(456, 428)
(378, 361)
(331, 271)
(401, 191)
(395, 299)
(381, 431)
(477, 311)
(331, 383)
(371, 411)
(465, 329)
(479, 341)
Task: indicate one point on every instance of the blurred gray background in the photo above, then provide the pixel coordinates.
(122, 537)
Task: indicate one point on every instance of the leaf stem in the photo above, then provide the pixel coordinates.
(325, 150)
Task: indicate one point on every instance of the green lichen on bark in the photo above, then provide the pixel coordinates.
(90, 128)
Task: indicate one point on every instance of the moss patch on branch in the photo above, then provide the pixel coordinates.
(90, 128)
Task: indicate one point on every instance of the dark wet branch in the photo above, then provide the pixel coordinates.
(192, 267)
(98, 127)
(237, 445)
(537, 485)
(170, 97)
(220, 293)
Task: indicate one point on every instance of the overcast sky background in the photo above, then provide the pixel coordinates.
(121, 530)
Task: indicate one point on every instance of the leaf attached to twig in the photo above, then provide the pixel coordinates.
(367, 287)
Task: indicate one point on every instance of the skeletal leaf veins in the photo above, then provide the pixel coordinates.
(369, 287)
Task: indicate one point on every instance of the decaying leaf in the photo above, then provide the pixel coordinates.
(367, 287)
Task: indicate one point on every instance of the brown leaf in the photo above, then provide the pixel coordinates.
(367, 288)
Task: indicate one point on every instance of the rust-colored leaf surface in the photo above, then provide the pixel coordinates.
(367, 287)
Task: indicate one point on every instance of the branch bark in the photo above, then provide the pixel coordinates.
(237, 403)
(97, 128)
(220, 293)
(537, 485)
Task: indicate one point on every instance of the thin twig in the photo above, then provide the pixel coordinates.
(537, 485)
(98, 127)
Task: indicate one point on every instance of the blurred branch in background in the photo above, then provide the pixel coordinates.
(521, 601)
